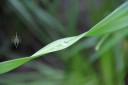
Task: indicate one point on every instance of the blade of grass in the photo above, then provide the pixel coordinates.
(45, 17)
(73, 15)
(101, 42)
(26, 17)
(110, 43)
(114, 18)
(107, 68)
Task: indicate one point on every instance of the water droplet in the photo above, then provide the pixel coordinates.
(64, 44)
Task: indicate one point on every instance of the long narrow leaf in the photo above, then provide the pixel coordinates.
(115, 21)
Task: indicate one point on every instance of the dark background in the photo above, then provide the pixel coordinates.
(39, 22)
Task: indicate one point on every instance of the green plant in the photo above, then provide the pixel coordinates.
(115, 22)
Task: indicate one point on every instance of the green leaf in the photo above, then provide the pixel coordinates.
(117, 20)
(9, 65)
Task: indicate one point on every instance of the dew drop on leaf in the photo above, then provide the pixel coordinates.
(64, 44)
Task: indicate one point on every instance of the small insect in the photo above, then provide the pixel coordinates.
(16, 40)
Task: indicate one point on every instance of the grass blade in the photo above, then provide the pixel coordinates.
(107, 25)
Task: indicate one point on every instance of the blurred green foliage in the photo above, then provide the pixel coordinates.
(81, 64)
